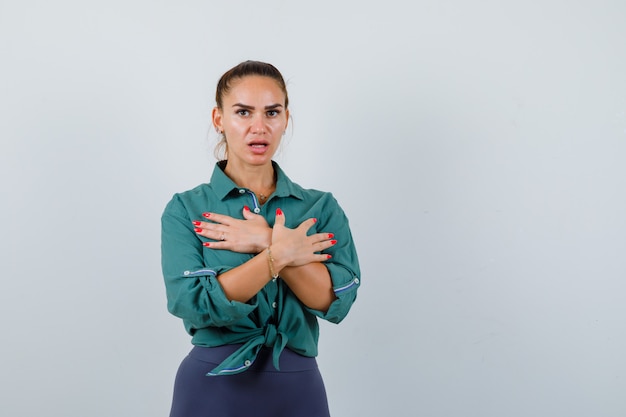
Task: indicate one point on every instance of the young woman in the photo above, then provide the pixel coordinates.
(250, 261)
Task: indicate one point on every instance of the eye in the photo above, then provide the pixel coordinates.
(273, 113)
(243, 112)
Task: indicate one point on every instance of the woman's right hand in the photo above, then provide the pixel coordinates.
(293, 247)
(251, 235)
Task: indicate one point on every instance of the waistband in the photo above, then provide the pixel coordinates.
(289, 360)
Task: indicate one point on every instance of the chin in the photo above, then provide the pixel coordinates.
(257, 160)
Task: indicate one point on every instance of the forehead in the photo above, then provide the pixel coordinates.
(255, 88)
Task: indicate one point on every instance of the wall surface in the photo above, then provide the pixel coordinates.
(478, 149)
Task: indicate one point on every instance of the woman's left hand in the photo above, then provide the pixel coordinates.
(251, 235)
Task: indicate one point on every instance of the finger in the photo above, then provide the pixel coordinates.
(320, 237)
(206, 226)
(199, 227)
(218, 245)
(307, 224)
(218, 218)
(248, 214)
(209, 230)
(320, 246)
(280, 218)
(322, 257)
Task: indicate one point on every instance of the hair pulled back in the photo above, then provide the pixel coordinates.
(244, 69)
(248, 68)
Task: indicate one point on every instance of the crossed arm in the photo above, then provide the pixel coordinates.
(294, 255)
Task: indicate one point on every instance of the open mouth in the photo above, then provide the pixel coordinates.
(258, 144)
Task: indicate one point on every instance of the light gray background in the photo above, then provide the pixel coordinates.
(477, 147)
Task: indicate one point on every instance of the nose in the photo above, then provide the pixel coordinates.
(258, 125)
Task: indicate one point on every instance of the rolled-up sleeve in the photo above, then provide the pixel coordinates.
(344, 264)
(193, 291)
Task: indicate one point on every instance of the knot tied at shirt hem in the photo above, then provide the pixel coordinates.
(243, 358)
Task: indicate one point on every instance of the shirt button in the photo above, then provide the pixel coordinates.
(247, 363)
(241, 191)
(356, 280)
(257, 210)
(186, 273)
(274, 304)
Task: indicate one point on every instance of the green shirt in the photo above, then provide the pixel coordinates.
(275, 317)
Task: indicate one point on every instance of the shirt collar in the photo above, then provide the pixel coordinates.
(223, 185)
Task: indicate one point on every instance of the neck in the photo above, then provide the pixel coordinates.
(251, 177)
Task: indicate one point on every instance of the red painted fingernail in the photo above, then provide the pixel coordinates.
(279, 212)
(314, 220)
(332, 242)
(328, 256)
(246, 208)
(197, 230)
(330, 235)
(206, 214)
(206, 244)
(196, 223)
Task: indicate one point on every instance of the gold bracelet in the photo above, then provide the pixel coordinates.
(271, 263)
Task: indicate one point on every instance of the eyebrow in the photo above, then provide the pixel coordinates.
(247, 107)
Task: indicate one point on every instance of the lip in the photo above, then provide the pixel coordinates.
(258, 147)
